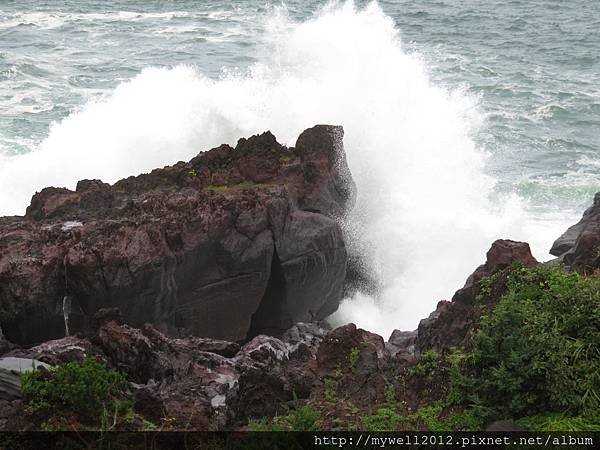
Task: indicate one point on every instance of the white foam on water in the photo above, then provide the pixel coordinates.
(423, 220)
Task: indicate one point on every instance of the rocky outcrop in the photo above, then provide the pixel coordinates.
(198, 383)
(232, 244)
(453, 322)
(401, 344)
(355, 360)
(579, 246)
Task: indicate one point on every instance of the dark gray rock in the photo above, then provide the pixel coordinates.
(10, 385)
(401, 344)
(235, 243)
(10, 379)
(579, 246)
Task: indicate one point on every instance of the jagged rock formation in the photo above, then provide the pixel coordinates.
(453, 322)
(234, 243)
(199, 383)
(579, 246)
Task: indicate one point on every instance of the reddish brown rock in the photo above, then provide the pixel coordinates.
(355, 361)
(197, 383)
(234, 243)
(452, 323)
(10, 415)
(579, 246)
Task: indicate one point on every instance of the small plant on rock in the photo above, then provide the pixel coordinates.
(427, 365)
(90, 391)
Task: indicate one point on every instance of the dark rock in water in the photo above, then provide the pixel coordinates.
(452, 323)
(579, 246)
(234, 243)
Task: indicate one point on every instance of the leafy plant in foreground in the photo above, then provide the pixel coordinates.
(89, 390)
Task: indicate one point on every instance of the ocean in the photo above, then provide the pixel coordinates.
(465, 121)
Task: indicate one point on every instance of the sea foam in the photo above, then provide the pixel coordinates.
(423, 218)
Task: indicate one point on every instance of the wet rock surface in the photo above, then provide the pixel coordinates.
(579, 246)
(235, 243)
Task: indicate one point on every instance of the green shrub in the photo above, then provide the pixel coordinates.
(428, 363)
(353, 357)
(465, 420)
(92, 392)
(538, 350)
(559, 422)
(385, 419)
(331, 392)
(299, 418)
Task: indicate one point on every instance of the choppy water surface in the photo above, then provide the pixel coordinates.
(465, 120)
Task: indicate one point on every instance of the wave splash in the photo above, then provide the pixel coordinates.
(423, 219)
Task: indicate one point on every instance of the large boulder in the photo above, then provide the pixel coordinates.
(234, 243)
(579, 246)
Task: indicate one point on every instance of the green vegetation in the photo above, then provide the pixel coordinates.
(353, 357)
(90, 391)
(299, 418)
(559, 422)
(534, 361)
(536, 354)
(428, 363)
(393, 417)
(287, 158)
(486, 285)
(386, 418)
(331, 392)
(217, 188)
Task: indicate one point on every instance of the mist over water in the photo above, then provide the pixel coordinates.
(427, 207)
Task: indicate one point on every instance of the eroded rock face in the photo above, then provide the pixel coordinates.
(452, 323)
(579, 246)
(186, 380)
(356, 360)
(59, 351)
(234, 243)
